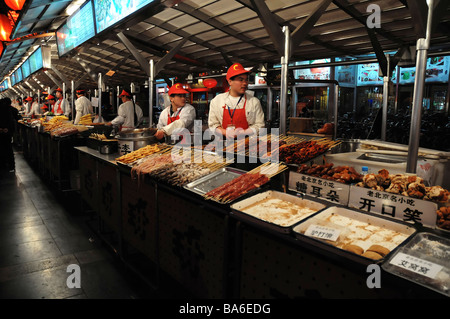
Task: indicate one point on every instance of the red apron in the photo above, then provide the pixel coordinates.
(59, 110)
(171, 119)
(237, 118)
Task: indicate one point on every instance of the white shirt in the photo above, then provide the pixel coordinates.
(82, 107)
(125, 116)
(253, 111)
(65, 107)
(34, 109)
(186, 120)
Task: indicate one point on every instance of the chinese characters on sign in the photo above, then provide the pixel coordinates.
(332, 191)
(393, 205)
(416, 265)
(322, 232)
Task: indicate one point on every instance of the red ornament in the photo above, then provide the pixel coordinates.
(5, 28)
(209, 83)
(15, 4)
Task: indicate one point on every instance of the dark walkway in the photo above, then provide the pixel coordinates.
(40, 238)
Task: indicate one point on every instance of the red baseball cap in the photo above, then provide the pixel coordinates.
(124, 93)
(50, 97)
(29, 98)
(177, 89)
(58, 90)
(236, 69)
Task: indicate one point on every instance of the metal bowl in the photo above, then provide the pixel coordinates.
(137, 133)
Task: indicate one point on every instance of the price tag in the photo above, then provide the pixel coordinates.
(322, 232)
(416, 265)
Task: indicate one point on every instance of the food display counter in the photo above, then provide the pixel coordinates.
(260, 242)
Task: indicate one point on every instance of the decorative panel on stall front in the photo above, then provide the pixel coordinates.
(108, 206)
(273, 269)
(88, 181)
(139, 222)
(191, 245)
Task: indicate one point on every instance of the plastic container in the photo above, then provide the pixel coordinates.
(425, 260)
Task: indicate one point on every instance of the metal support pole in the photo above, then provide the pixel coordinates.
(150, 92)
(100, 84)
(419, 84)
(284, 78)
(72, 84)
(336, 103)
(385, 100)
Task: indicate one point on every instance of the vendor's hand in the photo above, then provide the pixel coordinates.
(160, 134)
(230, 132)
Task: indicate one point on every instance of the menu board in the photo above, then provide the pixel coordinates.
(368, 74)
(4, 86)
(78, 28)
(313, 73)
(345, 74)
(107, 13)
(36, 60)
(26, 71)
(437, 71)
(18, 75)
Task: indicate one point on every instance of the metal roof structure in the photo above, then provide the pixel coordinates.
(186, 37)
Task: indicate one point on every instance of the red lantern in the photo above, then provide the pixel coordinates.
(15, 4)
(5, 28)
(209, 83)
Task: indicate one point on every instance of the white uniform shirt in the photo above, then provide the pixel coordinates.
(186, 120)
(82, 107)
(65, 107)
(125, 116)
(34, 109)
(253, 111)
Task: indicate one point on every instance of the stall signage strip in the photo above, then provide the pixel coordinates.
(416, 265)
(332, 191)
(392, 205)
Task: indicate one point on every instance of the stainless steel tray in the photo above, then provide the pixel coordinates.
(214, 180)
(237, 209)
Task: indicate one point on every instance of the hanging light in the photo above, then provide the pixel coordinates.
(5, 28)
(16, 5)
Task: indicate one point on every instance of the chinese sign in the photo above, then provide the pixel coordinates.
(416, 265)
(126, 147)
(332, 191)
(405, 208)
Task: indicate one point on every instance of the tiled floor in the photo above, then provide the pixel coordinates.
(40, 238)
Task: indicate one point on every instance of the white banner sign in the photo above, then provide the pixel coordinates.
(405, 208)
(318, 187)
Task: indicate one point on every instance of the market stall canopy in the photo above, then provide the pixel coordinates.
(206, 36)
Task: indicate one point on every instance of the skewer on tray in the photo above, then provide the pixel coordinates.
(243, 184)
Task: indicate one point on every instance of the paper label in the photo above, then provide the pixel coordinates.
(322, 232)
(318, 187)
(416, 265)
(405, 208)
(126, 147)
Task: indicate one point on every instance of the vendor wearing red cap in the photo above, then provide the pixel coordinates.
(236, 112)
(61, 106)
(34, 110)
(27, 105)
(50, 103)
(177, 115)
(129, 114)
(82, 106)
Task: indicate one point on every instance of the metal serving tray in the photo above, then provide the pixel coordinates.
(372, 220)
(211, 181)
(425, 259)
(238, 207)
